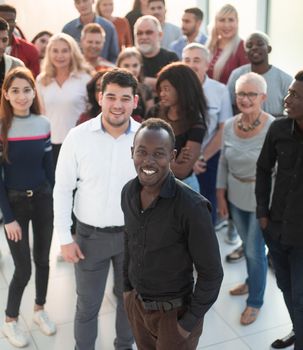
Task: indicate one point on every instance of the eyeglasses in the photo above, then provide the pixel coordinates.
(146, 32)
(250, 95)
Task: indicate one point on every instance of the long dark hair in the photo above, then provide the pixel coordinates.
(6, 110)
(94, 107)
(191, 100)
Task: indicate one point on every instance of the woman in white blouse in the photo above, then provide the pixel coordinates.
(243, 137)
(62, 86)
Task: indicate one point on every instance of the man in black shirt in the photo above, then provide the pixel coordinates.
(168, 229)
(148, 35)
(281, 217)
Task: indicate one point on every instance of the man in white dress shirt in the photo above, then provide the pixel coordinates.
(95, 159)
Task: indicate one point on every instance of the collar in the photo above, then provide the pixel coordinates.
(96, 125)
(168, 188)
(79, 24)
(196, 40)
(205, 82)
(295, 130)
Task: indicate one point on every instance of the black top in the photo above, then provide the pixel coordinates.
(132, 17)
(152, 65)
(2, 71)
(164, 241)
(283, 144)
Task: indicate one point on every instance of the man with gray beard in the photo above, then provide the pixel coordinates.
(148, 34)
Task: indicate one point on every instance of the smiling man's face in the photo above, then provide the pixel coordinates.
(152, 153)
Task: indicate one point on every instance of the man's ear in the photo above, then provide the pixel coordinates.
(132, 152)
(136, 100)
(173, 155)
(269, 48)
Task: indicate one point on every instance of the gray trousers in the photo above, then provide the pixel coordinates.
(99, 249)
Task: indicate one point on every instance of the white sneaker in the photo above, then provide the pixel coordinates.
(46, 325)
(14, 334)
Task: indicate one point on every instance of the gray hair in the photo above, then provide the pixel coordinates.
(253, 78)
(150, 18)
(204, 50)
(260, 34)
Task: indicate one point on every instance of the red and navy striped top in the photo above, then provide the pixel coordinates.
(30, 162)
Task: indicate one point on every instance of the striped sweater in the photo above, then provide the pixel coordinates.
(30, 159)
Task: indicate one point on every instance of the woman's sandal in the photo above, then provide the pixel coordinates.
(241, 289)
(249, 315)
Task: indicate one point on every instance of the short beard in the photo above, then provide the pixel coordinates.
(145, 48)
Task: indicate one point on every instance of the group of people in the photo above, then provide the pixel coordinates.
(173, 132)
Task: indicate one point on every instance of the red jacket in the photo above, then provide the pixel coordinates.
(27, 53)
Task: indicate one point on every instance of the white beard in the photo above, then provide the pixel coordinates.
(145, 48)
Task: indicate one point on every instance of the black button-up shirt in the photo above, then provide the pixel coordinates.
(164, 241)
(283, 146)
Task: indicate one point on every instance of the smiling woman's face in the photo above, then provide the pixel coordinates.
(227, 25)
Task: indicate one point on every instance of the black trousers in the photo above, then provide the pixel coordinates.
(39, 210)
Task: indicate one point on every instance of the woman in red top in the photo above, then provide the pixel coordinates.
(105, 9)
(225, 45)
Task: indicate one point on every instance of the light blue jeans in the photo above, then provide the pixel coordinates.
(254, 250)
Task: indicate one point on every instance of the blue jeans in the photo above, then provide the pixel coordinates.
(207, 182)
(99, 249)
(254, 250)
(288, 264)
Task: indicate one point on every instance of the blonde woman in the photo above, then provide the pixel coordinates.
(225, 45)
(62, 86)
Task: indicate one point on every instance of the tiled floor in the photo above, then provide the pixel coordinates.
(222, 330)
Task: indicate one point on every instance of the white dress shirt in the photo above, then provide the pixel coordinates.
(98, 165)
(64, 104)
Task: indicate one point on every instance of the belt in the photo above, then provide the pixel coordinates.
(153, 305)
(245, 179)
(109, 229)
(26, 193)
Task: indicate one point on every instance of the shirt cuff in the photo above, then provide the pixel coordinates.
(65, 236)
(188, 321)
(262, 212)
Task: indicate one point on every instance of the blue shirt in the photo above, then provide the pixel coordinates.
(218, 106)
(178, 45)
(110, 49)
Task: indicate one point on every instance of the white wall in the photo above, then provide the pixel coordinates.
(286, 32)
(285, 21)
(36, 15)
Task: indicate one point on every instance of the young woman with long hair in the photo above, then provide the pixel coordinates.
(25, 195)
(105, 8)
(183, 106)
(225, 45)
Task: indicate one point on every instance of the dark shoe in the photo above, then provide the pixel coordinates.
(236, 256)
(284, 342)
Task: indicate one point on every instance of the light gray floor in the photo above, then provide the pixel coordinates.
(222, 330)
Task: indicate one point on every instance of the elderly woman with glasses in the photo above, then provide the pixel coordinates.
(243, 137)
